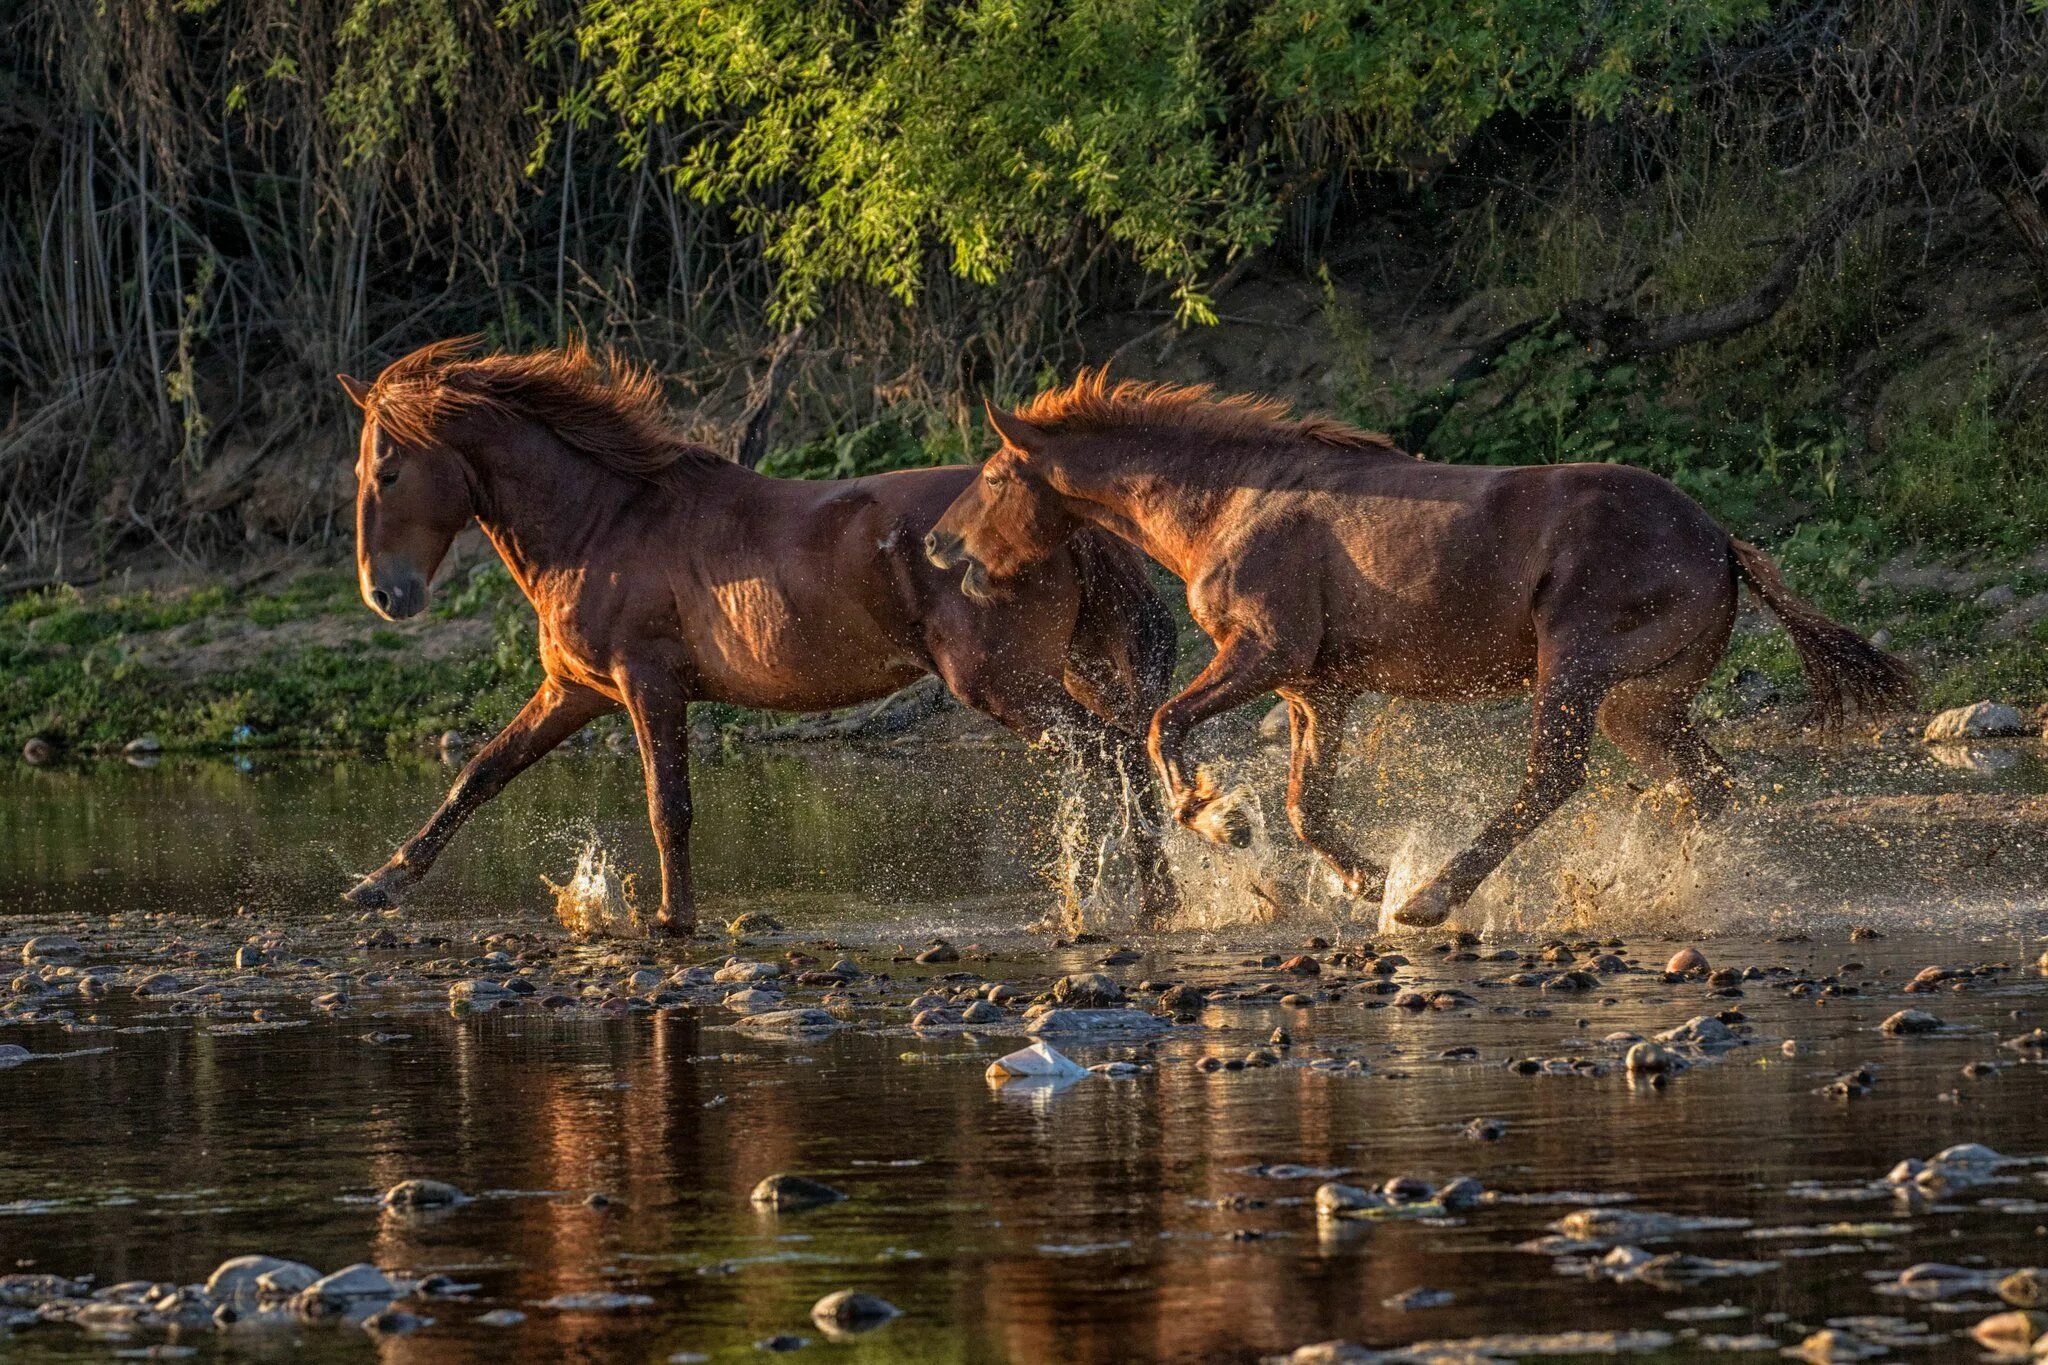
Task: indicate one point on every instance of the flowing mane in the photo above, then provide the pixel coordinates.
(597, 403)
(1092, 403)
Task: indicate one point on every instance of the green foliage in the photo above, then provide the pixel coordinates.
(860, 139)
(891, 443)
(1960, 475)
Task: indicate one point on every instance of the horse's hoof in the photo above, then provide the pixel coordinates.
(1425, 909)
(1223, 821)
(674, 926)
(379, 891)
(1369, 884)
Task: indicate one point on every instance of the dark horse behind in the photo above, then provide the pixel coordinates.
(1325, 563)
(663, 574)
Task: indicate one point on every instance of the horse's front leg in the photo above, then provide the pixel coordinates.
(553, 713)
(1316, 724)
(661, 722)
(1243, 668)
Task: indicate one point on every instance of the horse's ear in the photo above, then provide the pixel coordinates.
(1014, 430)
(358, 390)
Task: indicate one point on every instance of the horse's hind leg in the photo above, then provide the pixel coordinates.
(551, 715)
(1650, 720)
(1566, 705)
(1311, 783)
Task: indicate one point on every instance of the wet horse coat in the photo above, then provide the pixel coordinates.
(1325, 563)
(663, 574)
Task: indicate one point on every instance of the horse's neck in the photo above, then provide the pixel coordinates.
(545, 509)
(1146, 504)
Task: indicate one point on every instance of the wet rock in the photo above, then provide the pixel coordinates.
(37, 751)
(939, 951)
(786, 1193)
(249, 955)
(1485, 1130)
(740, 972)
(14, 1054)
(1687, 962)
(1124, 1021)
(1183, 999)
(477, 991)
(393, 1322)
(803, 1021)
(501, 1317)
(2035, 1041)
(982, 1012)
(850, 1310)
(1910, 1022)
(283, 1281)
(753, 922)
(1703, 1032)
(753, 1000)
(2025, 1288)
(143, 744)
(422, 1194)
(1652, 1059)
(781, 1343)
(1302, 965)
(2011, 1333)
(51, 948)
(1416, 1300)
(1983, 720)
(1087, 990)
(1337, 1200)
(1851, 1084)
(937, 1018)
(1462, 1193)
(21, 1290)
(241, 1276)
(351, 1284)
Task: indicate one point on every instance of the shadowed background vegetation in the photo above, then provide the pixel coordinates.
(1792, 254)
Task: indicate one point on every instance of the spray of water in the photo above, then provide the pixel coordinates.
(596, 901)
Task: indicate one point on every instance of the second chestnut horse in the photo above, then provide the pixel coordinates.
(663, 574)
(1325, 563)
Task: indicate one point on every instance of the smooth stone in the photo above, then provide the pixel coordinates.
(240, 1277)
(791, 1021)
(1909, 1022)
(1688, 962)
(422, 1194)
(2010, 1333)
(738, 972)
(1087, 990)
(285, 1281)
(788, 1193)
(982, 1012)
(851, 1310)
(501, 1317)
(479, 988)
(350, 1283)
(2026, 1288)
(1981, 720)
(52, 948)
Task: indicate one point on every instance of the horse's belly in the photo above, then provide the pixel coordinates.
(765, 651)
(1442, 659)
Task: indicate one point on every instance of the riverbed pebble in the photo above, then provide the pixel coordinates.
(422, 1194)
(1687, 962)
(786, 1193)
(1125, 1021)
(52, 948)
(852, 1310)
(1910, 1022)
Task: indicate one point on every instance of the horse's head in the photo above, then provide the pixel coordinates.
(1007, 520)
(412, 498)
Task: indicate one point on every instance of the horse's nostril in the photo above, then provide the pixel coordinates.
(380, 599)
(931, 544)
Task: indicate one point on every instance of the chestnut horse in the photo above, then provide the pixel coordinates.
(663, 574)
(1325, 563)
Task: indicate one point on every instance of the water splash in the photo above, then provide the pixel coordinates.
(596, 901)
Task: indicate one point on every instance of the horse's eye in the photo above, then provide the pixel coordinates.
(386, 477)
(995, 480)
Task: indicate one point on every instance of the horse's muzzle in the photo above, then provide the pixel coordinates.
(398, 597)
(944, 549)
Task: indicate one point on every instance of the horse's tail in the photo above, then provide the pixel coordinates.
(1842, 667)
(1123, 619)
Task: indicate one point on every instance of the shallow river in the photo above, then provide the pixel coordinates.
(1169, 1215)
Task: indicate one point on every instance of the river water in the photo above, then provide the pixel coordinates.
(1165, 1216)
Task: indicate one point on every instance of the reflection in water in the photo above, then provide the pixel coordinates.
(1114, 1220)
